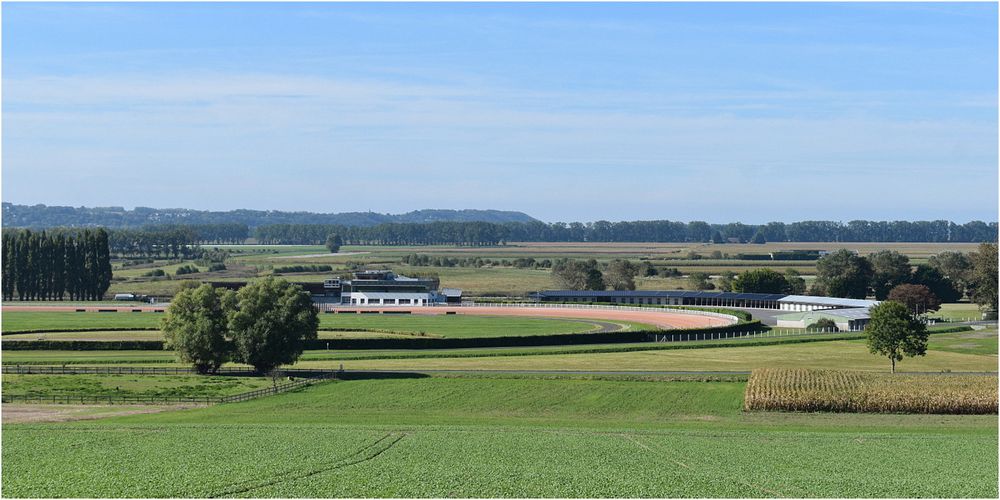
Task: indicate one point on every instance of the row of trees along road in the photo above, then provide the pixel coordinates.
(661, 231)
(261, 325)
(45, 266)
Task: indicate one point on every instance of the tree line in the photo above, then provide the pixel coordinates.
(663, 231)
(163, 241)
(886, 274)
(45, 266)
(44, 217)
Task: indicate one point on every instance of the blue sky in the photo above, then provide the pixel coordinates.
(568, 112)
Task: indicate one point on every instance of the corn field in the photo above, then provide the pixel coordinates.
(864, 392)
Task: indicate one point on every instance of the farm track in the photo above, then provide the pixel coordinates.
(364, 454)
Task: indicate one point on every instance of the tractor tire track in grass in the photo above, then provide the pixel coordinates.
(373, 450)
(700, 470)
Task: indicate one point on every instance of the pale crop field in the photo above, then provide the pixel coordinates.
(845, 391)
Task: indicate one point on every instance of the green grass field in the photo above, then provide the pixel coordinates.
(958, 312)
(434, 437)
(130, 385)
(459, 326)
(961, 351)
(14, 321)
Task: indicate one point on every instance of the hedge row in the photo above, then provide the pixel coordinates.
(88, 329)
(83, 345)
(950, 329)
(406, 343)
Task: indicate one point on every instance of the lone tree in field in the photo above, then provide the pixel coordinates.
(270, 320)
(893, 332)
(196, 325)
(333, 243)
(917, 298)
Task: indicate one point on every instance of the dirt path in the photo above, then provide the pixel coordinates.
(15, 413)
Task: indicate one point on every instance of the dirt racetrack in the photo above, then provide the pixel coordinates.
(661, 318)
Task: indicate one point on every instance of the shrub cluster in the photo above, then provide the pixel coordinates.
(186, 269)
(311, 268)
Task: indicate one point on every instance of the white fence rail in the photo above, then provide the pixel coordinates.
(746, 335)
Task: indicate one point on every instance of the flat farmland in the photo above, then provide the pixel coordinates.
(433, 437)
(249, 261)
(837, 354)
(974, 351)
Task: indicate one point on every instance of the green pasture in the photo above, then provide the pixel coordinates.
(457, 325)
(88, 335)
(961, 351)
(836, 354)
(469, 437)
(103, 358)
(975, 342)
(130, 385)
(958, 312)
(16, 321)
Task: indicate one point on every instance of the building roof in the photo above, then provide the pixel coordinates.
(451, 292)
(659, 293)
(828, 301)
(834, 314)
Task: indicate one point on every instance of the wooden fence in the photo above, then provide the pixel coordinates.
(158, 400)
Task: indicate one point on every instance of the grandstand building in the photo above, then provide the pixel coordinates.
(386, 288)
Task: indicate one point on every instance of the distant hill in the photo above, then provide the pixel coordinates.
(42, 216)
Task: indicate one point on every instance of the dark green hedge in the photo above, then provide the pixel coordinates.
(83, 345)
